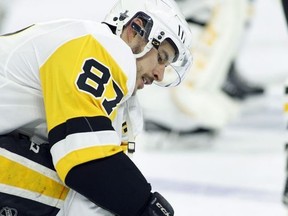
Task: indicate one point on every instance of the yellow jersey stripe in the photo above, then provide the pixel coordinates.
(27, 179)
(31, 164)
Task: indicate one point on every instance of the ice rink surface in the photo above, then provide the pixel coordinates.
(241, 172)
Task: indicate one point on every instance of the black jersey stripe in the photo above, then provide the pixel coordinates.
(79, 125)
(24, 207)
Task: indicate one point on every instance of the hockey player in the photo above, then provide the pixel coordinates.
(67, 96)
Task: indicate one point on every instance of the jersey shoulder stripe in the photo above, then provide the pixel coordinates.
(79, 125)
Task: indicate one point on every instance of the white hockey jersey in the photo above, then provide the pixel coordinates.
(65, 82)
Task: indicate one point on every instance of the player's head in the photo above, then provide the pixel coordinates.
(160, 22)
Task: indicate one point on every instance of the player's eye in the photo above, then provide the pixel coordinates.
(163, 58)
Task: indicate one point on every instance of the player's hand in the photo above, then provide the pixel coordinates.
(158, 206)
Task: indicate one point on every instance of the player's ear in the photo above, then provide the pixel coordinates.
(134, 35)
(135, 27)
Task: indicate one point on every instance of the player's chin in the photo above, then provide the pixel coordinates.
(140, 84)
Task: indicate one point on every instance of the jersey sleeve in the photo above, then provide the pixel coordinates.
(82, 87)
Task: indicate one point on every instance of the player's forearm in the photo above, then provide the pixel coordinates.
(114, 183)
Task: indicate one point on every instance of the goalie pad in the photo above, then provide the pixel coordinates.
(216, 44)
(184, 109)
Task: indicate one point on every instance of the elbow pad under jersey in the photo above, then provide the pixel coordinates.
(113, 183)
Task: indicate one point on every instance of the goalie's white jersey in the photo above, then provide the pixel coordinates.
(65, 82)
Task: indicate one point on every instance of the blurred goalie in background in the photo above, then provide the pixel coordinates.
(212, 93)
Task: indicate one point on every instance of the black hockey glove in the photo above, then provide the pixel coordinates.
(158, 206)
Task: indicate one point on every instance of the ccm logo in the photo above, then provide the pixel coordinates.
(162, 209)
